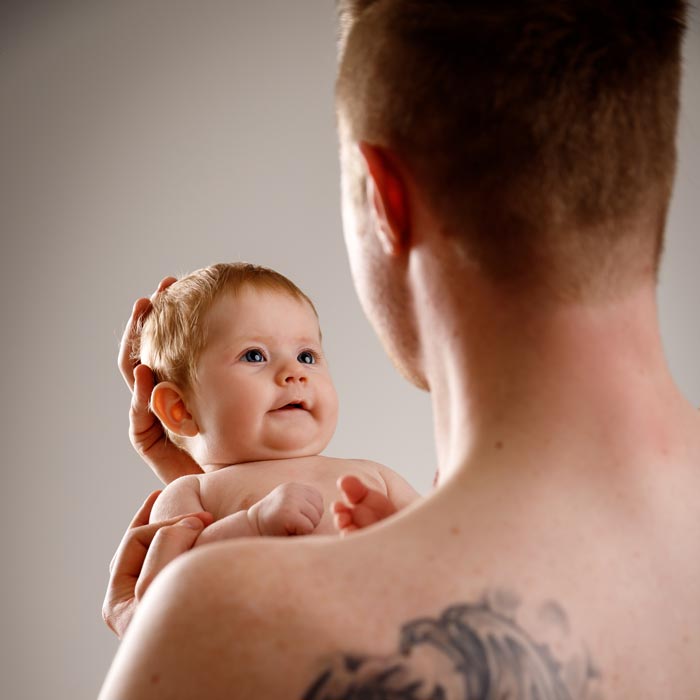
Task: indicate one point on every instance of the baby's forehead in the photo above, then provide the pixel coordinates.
(264, 313)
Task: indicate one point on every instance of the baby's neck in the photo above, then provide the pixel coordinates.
(209, 467)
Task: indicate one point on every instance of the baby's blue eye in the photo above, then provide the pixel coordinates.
(306, 358)
(253, 355)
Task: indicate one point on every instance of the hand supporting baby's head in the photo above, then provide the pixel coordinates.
(241, 376)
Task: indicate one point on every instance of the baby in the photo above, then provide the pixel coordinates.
(243, 386)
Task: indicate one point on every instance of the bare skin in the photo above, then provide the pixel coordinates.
(143, 552)
(145, 430)
(557, 557)
(240, 487)
(564, 526)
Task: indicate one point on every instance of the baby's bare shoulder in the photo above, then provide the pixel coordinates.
(367, 470)
(228, 489)
(384, 480)
(180, 496)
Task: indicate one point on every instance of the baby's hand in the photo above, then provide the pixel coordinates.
(289, 509)
(363, 506)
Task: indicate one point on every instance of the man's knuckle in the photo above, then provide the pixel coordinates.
(166, 533)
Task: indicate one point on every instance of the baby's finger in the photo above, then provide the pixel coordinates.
(342, 520)
(305, 525)
(312, 510)
(317, 502)
(313, 495)
(352, 489)
(347, 530)
(363, 516)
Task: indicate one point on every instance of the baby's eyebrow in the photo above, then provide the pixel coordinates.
(270, 340)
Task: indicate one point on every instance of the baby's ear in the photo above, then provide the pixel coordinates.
(168, 403)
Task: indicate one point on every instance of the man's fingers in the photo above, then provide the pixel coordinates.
(141, 518)
(144, 381)
(143, 514)
(141, 308)
(125, 362)
(129, 558)
(163, 284)
(169, 542)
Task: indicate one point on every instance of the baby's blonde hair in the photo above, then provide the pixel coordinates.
(174, 334)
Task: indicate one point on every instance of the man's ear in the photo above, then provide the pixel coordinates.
(168, 403)
(386, 192)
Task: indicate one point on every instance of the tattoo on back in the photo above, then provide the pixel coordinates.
(471, 652)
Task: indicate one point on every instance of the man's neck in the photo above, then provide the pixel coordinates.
(560, 389)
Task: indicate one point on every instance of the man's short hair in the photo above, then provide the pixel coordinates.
(543, 131)
(174, 333)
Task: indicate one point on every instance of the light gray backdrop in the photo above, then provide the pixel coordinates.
(140, 139)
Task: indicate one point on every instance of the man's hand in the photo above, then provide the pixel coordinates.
(362, 507)
(289, 509)
(145, 430)
(144, 550)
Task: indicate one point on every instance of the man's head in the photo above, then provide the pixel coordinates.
(236, 352)
(541, 134)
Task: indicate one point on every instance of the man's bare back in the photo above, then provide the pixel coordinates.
(506, 253)
(562, 588)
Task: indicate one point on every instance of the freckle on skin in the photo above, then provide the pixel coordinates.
(454, 531)
(499, 445)
(155, 678)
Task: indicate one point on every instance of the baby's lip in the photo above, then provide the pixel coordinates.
(293, 405)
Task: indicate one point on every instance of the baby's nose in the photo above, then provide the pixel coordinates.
(291, 372)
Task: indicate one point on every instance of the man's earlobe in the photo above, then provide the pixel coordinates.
(168, 403)
(387, 196)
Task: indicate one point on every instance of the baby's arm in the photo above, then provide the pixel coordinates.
(177, 498)
(289, 509)
(183, 496)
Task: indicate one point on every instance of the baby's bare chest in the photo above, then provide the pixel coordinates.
(238, 487)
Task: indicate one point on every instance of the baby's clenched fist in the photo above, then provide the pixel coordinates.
(289, 509)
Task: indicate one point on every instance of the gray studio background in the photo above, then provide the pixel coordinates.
(141, 139)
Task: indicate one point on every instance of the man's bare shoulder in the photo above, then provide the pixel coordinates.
(429, 601)
(248, 603)
(309, 619)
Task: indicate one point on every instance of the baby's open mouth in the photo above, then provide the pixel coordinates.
(294, 406)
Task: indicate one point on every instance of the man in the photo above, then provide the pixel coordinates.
(506, 175)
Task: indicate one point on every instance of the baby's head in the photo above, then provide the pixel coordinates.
(241, 376)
